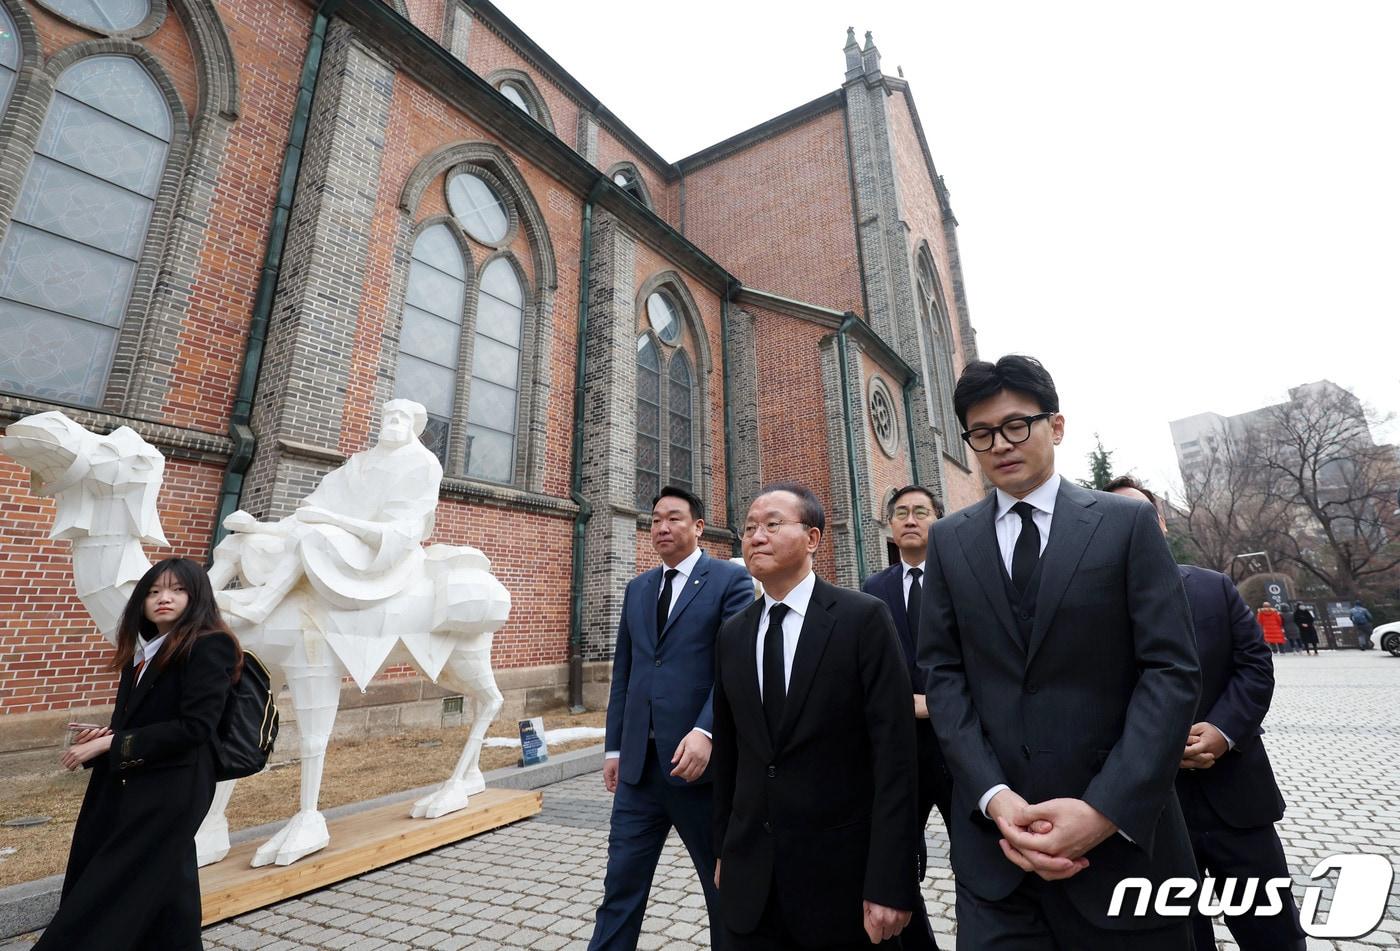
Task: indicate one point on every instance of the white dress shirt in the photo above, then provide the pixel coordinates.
(145, 651)
(1008, 523)
(797, 601)
(909, 582)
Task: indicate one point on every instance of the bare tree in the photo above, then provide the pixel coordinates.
(1224, 504)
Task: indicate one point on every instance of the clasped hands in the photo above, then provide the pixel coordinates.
(87, 744)
(1204, 747)
(1048, 838)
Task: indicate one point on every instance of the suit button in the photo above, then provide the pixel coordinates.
(767, 826)
(1025, 751)
(657, 663)
(140, 762)
(1031, 688)
(1026, 617)
(772, 771)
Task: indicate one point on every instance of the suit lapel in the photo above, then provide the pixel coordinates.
(651, 593)
(811, 644)
(894, 597)
(1071, 527)
(746, 700)
(140, 690)
(693, 584)
(123, 698)
(977, 534)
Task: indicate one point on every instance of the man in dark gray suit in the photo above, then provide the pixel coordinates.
(1061, 680)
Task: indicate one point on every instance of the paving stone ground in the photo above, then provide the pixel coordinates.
(1332, 734)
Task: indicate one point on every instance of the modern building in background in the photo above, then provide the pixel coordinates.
(240, 226)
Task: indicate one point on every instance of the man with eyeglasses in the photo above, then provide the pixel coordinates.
(814, 750)
(1061, 680)
(910, 513)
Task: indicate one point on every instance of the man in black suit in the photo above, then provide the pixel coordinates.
(910, 513)
(1061, 681)
(814, 750)
(1226, 784)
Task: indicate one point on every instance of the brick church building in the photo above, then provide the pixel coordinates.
(240, 226)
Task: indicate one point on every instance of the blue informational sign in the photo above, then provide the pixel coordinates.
(532, 746)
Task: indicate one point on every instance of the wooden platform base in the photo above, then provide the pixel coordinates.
(359, 843)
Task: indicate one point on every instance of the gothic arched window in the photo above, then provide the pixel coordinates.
(495, 387)
(430, 340)
(104, 16)
(68, 261)
(648, 422)
(679, 410)
(9, 57)
(939, 358)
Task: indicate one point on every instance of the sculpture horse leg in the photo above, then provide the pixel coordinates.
(315, 689)
(467, 670)
(211, 841)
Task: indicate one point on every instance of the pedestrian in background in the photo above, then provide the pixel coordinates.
(1271, 622)
(1363, 622)
(1290, 629)
(1307, 627)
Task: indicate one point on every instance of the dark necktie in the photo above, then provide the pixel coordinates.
(663, 607)
(774, 682)
(1027, 550)
(915, 601)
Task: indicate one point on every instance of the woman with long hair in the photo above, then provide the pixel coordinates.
(132, 882)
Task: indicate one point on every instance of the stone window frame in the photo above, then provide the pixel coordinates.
(693, 342)
(154, 18)
(538, 336)
(539, 110)
(148, 340)
(876, 385)
(641, 192)
(939, 352)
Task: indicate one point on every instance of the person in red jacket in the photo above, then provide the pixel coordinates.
(1272, 623)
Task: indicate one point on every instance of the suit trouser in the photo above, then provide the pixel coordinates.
(643, 815)
(935, 789)
(772, 934)
(1039, 916)
(1223, 852)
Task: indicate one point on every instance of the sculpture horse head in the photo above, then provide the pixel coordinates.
(102, 485)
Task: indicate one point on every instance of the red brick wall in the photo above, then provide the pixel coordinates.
(51, 655)
(488, 52)
(663, 195)
(885, 473)
(797, 184)
(792, 430)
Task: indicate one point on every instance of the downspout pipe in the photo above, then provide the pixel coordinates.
(730, 509)
(858, 532)
(240, 420)
(585, 511)
(909, 383)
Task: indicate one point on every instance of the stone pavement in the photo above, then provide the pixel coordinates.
(1332, 734)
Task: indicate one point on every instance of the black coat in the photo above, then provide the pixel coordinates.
(1237, 684)
(132, 882)
(1095, 705)
(824, 812)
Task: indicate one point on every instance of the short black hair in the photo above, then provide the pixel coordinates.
(697, 508)
(808, 505)
(981, 380)
(1128, 482)
(907, 490)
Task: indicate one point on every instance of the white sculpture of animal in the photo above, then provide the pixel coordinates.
(334, 593)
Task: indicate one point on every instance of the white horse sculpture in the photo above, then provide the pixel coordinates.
(440, 615)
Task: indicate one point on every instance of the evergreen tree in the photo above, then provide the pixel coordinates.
(1100, 466)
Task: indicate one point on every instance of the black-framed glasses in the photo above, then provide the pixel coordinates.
(1014, 431)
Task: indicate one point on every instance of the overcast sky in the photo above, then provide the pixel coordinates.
(1179, 208)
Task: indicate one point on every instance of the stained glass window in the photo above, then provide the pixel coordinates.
(9, 57)
(107, 16)
(678, 408)
(491, 417)
(430, 340)
(648, 463)
(661, 313)
(69, 258)
(513, 92)
(478, 208)
(940, 364)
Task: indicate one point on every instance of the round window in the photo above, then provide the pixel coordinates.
(661, 314)
(883, 419)
(477, 208)
(104, 16)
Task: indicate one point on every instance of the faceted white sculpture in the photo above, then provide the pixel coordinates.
(342, 586)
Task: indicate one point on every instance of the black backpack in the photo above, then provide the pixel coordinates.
(248, 727)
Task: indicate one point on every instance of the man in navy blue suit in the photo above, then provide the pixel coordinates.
(1226, 786)
(912, 510)
(660, 717)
